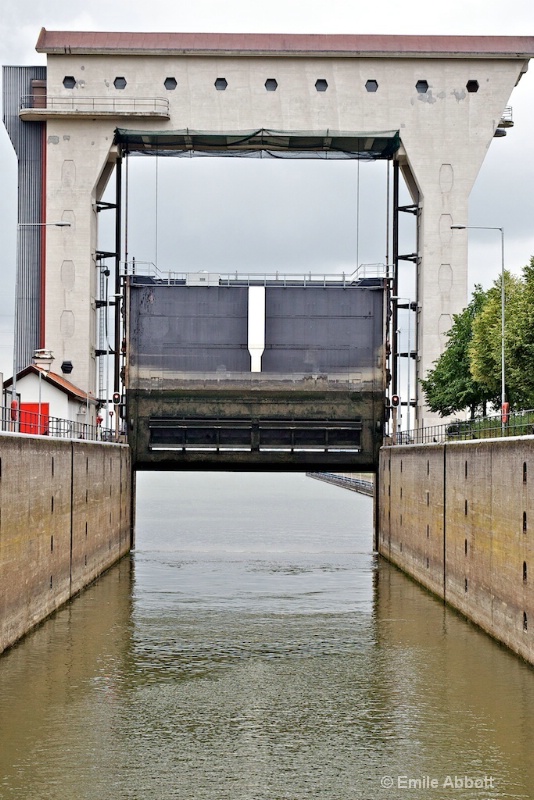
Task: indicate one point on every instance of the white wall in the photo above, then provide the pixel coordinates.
(60, 405)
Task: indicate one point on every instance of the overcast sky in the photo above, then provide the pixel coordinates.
(271, 215)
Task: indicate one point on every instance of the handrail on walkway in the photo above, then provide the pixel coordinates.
(518, 423)
(34, 424)
(122, 104)
(150, 270)
(356, 484)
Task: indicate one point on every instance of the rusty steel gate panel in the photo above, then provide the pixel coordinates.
(196, 398)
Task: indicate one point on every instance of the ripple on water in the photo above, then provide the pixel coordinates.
(257, 651)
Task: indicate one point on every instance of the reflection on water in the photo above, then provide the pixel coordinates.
(254, 648)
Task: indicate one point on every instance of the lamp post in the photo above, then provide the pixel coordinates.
(20, 226)
(501, 230)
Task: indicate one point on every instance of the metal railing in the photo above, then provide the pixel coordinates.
(518, 423)
(362, 272)
(507, 119)
(356, 484)
(35, 424)
(106, 105)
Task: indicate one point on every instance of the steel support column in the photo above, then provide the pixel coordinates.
(118, 305)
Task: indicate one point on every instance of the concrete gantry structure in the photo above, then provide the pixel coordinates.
(444, 96)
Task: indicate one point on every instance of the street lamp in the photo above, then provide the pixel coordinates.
(21, 225)
(494, 228)
(61, 224)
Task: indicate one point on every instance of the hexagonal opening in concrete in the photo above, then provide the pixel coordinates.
(119, 82)
(69, 81)
(472, 86)
(321, 85)
(170, 84)
(422, 87)
(271, 84)
(371, 85)
(221, 84)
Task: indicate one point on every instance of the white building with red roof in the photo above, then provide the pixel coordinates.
(46, 400)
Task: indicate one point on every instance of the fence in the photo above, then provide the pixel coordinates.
(35, 424)
(519, 423)
(149, 270)
(152, 106)
(347, 482)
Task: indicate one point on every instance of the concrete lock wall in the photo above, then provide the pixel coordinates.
(65, 517)
(459, 518)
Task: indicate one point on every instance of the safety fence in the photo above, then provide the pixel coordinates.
(23, 421)
(151, 106)
(363, 272)
(518, 423)
(346, 481)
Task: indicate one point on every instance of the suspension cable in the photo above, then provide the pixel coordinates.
(157, 189)
(358, 212)
(388, 178)
(126, 214)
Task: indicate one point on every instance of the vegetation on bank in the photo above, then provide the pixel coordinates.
(467, 375)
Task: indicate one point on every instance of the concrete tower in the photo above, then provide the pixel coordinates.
(442, 96)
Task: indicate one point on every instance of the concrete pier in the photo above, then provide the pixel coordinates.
(65, 517)
(459, 518)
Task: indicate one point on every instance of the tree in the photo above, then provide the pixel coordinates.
(485, 349)
(519, 342)
(450, 386)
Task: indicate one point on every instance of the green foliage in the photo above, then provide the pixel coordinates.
(485, 353)
(519, 342)
(468, 373)
(450, 386)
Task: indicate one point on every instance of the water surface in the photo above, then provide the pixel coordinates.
(254, 648)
